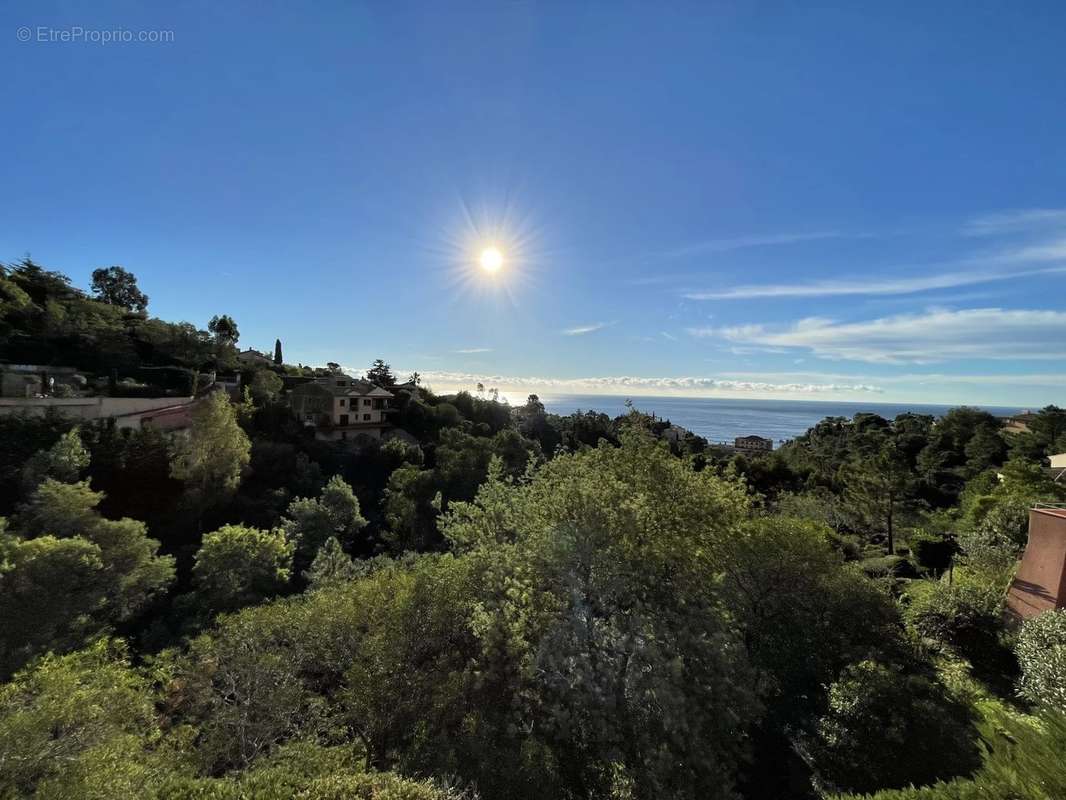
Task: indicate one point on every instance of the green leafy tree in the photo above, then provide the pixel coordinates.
(224, 329)
(310, 523)
(885, 728)
(965, 615)
(380, 374)
(64, 461)
(64, 710)
(881, 489)
(996, 512)
(52, 593)
(238, 566)
(134, 571)
(608, 604)
(117, 287)
(803, 615)
(265, 386)
(1041, 652)
(1023, 760)
(211, 459)
(331, 565)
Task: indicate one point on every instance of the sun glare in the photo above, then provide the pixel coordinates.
(491, 259)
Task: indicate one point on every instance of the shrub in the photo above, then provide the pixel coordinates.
(886, 728)
(1041, 652)
(932, 552)
(964, 616)
(1023, 761)
(888, 566)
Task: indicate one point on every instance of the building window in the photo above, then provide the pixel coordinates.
(366, 402)
(344, 419)
(342, 402)
(342, 383)
(366, 418)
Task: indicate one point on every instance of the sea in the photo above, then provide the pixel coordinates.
(721, 420)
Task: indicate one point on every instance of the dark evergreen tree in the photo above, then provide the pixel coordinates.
(117, 287)
(277, 352)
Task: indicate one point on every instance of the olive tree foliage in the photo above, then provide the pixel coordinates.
(1041, 651)
(214, 454)
(237, 566)
(601, 599)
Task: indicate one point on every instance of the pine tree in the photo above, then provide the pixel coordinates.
(331, 565)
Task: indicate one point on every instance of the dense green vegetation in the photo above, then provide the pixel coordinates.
(506, 603)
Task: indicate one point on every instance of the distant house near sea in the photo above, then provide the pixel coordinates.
(340, 407)
(1040, 583)
(1018, 423)
(753, 443)
(1058, 467)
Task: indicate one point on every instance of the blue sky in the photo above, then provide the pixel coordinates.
(848, 201)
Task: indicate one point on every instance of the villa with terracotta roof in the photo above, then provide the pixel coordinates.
(340, 407)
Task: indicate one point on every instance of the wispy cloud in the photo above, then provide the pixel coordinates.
(629, 384)
(929, 337)
(741, 242)
(1016, 221)
(667, 335)
(581, 330)
(469, 350)
(910, 285)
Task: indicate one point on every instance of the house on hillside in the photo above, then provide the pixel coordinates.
(37, 380)
(253, 358)
(1057, 469)
(166, 413)
(1019, 423)
(340, 407)
(753, 444)
(1040, 583)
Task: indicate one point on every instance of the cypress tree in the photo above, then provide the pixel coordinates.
(277, 351)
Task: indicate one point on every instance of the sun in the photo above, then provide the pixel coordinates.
(491, 259)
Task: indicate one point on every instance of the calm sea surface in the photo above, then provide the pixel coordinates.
(720, 420)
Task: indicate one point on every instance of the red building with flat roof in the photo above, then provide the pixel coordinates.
(1040, 583)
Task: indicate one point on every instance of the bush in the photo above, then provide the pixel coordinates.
(885, 728)
(888, 566)
(1041, 652)
(964, 616)
(1023, 761)
(932, 552)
